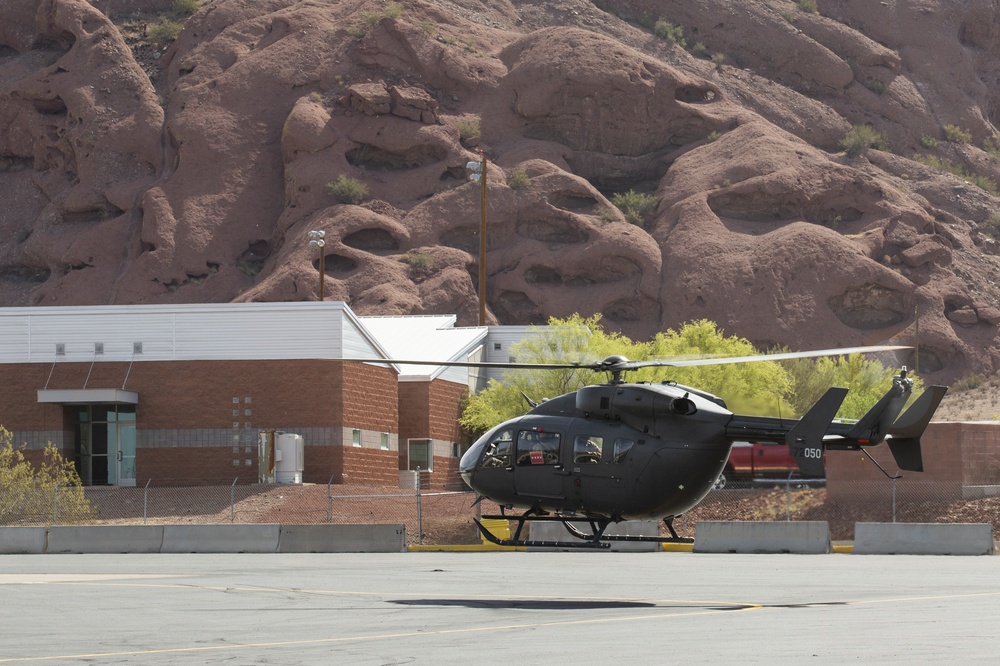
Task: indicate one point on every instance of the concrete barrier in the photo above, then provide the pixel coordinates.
(105, 539)
(342, 539)
(553, 531)
(923, 539)
(762, 537)
(22, 540)
(220, 538)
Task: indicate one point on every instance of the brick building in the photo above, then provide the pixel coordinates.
(179, 394)
(961, 461)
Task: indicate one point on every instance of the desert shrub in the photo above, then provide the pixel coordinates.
(467, 128)
(980, 181)
(636, 206)
(185, 7)
(714, 135)
(862, 137)
(347, 190)
(991, 144)
(718, 59)
(699, 49)
(418, 261)
(163, 30)
(394, 10)
(48, 492)
(991, 225)
(670, 32)
(518, 179)
(875, 86)
(808, 6)
(968, 382)
(956, 134)
(927, 141)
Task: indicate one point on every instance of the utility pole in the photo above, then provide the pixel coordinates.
(478, 174)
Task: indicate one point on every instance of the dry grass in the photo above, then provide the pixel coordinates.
(975, 403)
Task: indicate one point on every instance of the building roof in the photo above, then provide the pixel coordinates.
(426, 338)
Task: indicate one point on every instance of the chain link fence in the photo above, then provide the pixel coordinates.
(438, 518)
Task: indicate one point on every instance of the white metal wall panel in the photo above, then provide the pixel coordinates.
(15, 338)
(117, 332)
(228, 331)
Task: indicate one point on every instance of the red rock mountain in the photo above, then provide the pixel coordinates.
(136, 167)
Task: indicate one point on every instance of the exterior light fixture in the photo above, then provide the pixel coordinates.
(318, 242)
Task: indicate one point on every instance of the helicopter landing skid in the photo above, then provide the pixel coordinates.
(596, 539)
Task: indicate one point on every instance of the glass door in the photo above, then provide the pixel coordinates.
(105, 444)
(125, 431)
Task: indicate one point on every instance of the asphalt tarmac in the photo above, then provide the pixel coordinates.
(498, 608)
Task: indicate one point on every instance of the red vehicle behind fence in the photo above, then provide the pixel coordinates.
(757, 460)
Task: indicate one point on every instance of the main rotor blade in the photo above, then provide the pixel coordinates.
(621, 364)
(481, 364)
(844, 351)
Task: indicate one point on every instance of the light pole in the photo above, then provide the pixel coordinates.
(478, 175)
(318, 242)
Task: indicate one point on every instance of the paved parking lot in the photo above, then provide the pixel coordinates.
(461, 608)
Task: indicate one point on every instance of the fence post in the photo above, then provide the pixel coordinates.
(420, 519)
(55, 503)
(232, 501)
(894, 498)
(145, 499)
(788, 498)
(329, 500)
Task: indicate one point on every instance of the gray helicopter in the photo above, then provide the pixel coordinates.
(624, 451)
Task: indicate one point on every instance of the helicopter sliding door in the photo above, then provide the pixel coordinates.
(538, 464)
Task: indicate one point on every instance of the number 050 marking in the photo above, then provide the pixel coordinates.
(809, 453)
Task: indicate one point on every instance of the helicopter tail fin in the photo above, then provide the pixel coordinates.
(904, 434)
(805, 440)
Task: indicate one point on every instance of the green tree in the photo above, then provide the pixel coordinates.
(867, 378)
(27, 491)
(748, 387)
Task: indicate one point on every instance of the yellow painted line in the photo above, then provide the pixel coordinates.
(465, 548)
(678, 547)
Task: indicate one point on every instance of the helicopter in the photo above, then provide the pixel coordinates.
(619, 451)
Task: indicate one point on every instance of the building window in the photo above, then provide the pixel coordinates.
(384, 441)
(497, 346)
(420, 454)
(355, 437)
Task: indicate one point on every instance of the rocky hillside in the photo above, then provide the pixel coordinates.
(813, 174)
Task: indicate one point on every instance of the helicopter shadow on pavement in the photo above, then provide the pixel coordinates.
(556, 604)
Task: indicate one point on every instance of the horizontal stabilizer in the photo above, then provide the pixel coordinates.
(805, 440)
(904, 435)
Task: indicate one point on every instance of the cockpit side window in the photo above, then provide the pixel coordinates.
(499, 450)
(621, 449)
(535, 447)
(587, 449)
